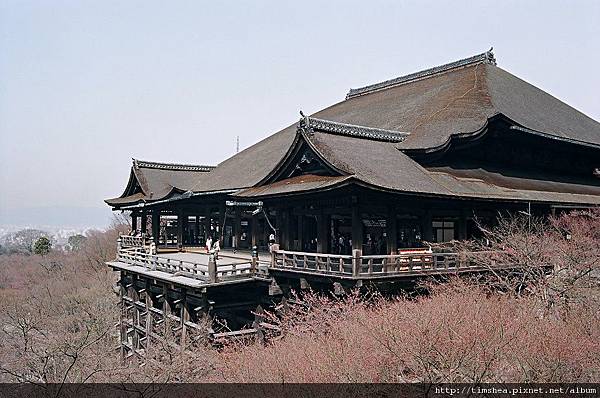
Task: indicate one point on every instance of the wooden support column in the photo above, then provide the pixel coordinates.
(144, 222)
(278, 227)
(197, 229)
(166, 312)
(207, 220)
(185, 317)
(357, 227)
(392, 230)
(180, 229)
(300, 232)
(286, 241)
(123, 317)
(322, 236)
(155, 225)
(427, 226)
(149, 306)
(462, 226)
(133, 294)
(212, 268)
(134, 221)
(236, 230)
(222, 222)
(356, 262)
(254, 231)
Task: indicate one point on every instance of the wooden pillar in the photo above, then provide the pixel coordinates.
(207, 221)
(222, 222)
(155, 225)
(212, 268)
(357, 228)
(185, 317)
(300, 232)
(166, 312)
(197, 230)
(462, 226)
(180, 229)
(133, 294)
(123, 317)
(322, 236)
(356, 261)
(254, 231)
(149, 306)
(392, 231)
(134, 221)
(426, 226)
(236, 230)
(274, 249)
(286, 240)
(278, 227)
(144, 222)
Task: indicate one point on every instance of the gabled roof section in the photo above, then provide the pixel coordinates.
(152, 181)
(301, 158)
(486, 57)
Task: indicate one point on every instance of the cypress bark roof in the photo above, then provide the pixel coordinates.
(376, 126)
(150, 181)
(431, 109)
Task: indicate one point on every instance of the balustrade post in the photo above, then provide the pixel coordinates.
(254, 264)
(119, 246)
(212, 267)
(356, 259)
(274, 249)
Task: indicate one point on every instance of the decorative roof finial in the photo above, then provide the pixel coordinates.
(490, 56)
(306, 120)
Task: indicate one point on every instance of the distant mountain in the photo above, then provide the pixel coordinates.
(56, 217)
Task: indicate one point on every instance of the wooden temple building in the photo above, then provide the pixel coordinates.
(394, 165)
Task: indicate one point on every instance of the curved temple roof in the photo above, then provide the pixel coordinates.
(370, 133)
(151, 181)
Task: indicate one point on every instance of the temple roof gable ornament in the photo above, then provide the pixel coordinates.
(484, 58)
(310, 124)
(170, 166)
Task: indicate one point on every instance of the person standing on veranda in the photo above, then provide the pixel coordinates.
(208, 244)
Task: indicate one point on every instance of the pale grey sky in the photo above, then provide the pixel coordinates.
(86, 85)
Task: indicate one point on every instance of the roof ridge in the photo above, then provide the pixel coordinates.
(485, 58)
(171, 166)
(351, 130)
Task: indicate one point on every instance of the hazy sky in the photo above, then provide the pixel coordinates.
(86, 85)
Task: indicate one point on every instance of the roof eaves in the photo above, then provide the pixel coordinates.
(141, 178)
(554, 136)
(485, 58)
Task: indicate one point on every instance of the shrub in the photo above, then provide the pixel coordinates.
(42, 246)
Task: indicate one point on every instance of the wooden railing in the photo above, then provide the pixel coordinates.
(318, 262)
(131, 241)
(410, 263)
(211, 270)
(357, 265)
(133, 251)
